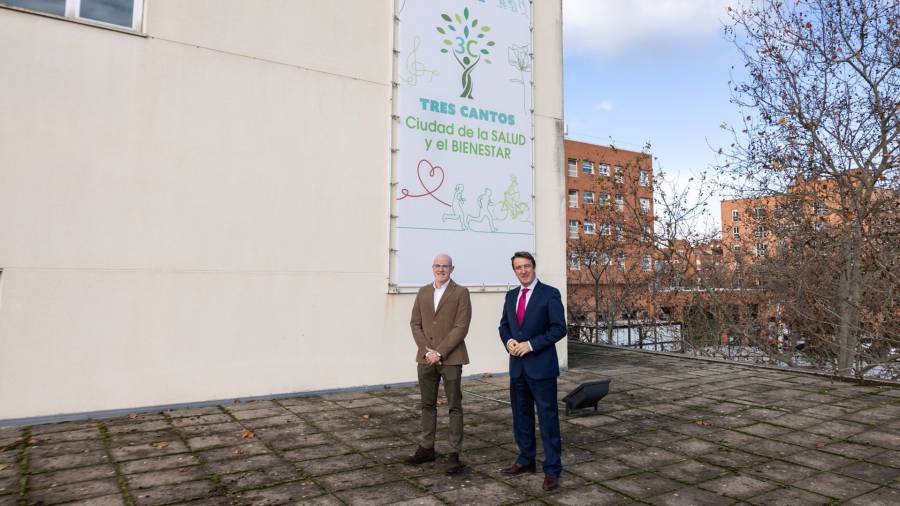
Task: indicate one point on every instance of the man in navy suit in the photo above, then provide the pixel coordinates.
(533, 321)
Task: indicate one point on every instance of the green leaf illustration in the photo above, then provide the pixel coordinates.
(474, 23)
(484, 51)
(487, 60)
(466, 12)
(490, 43)
(466, 31)
(466, 60)
(447, 18)
(441, 30)
(458, 19)
(448, 42)
(485, 28)
(444, 50)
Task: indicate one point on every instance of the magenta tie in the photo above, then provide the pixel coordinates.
(520, 307)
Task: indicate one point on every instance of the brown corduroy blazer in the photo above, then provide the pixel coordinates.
(443, 328)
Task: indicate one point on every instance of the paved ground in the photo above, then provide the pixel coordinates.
(673, 431)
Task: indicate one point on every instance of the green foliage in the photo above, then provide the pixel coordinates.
(469, 45)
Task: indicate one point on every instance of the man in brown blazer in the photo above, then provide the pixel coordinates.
(440, 321)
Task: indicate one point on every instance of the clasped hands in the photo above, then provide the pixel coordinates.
(517, 349)
(432, 357)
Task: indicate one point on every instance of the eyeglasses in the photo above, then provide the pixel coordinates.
(441, 266)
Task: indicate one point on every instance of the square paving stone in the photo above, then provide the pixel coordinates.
(245, 463)
(143, 451)
(193, 412)
(590, 494)
(288, 419)
(213, 440)
(357, 478)
(68, 461)
(42, 451)
(144, 426)
(378, 442)
(315, 452)
(693, 446)
(207, 419)
(488, 492)
(795, 421)
(290, 442)
(66, 476)
(692, 471)
(288, 493)
(158, 463)
(835, 485)
(339, 463)
(390, 493)
(888, 458)
(643, 485)
(167, 477)
(9, 484)
(805, 439)
(650, 458)
(73, 491)
(837, 429)
(257, 413)
(208, 430)
(870, 472)
(782, 472)
(52, 438)
(731, 458)
(259, 478)
(881, 497)
(690, 496)
(819, 460)
(738, 486)
(243, 450)
(602, 469)
(853, 450)
(876, 438)
(764, 429)
(173, 493)
(774, 449)
(790, 497)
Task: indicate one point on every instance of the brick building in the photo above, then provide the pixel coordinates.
(609, 230)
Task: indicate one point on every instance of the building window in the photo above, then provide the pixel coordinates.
(574, 263)
(620, 260)
(588, 197)
(604, 258)
(736, 232)
(619, 174)
(645, 205)
(735, 215)
(117, 13)
(620, 202)
(604, 229)
(573, 167)
(573, 229)
(588, 227)
(604, 198)
(587, 167)
(620, 232)
(645, 233)
(760, 213)
(604, 169)
(645, 178)
(573, 198)
(646, 263)
(760, 231)
(761, 249)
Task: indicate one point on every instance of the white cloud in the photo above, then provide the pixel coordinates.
(604, 105)
(613, 26)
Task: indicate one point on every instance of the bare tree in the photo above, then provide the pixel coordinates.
(820, 135)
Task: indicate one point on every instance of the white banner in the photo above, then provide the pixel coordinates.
(465, 157)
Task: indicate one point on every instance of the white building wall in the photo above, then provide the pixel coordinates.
(202, 213)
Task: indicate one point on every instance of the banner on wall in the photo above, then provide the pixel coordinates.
(465, 158)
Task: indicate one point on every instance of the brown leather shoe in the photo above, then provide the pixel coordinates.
(454, 466)
(421, 456)
(517, 469)
(550, 482)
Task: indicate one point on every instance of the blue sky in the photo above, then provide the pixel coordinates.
(657, 71)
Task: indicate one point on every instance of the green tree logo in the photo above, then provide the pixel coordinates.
(463, 38)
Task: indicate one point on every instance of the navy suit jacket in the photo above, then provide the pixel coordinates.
(543, 325)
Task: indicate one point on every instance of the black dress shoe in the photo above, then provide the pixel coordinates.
(550, 482)
(421, 456)
(454, 466)
(517, 469)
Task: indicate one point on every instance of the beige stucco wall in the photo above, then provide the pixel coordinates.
(202, 213)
